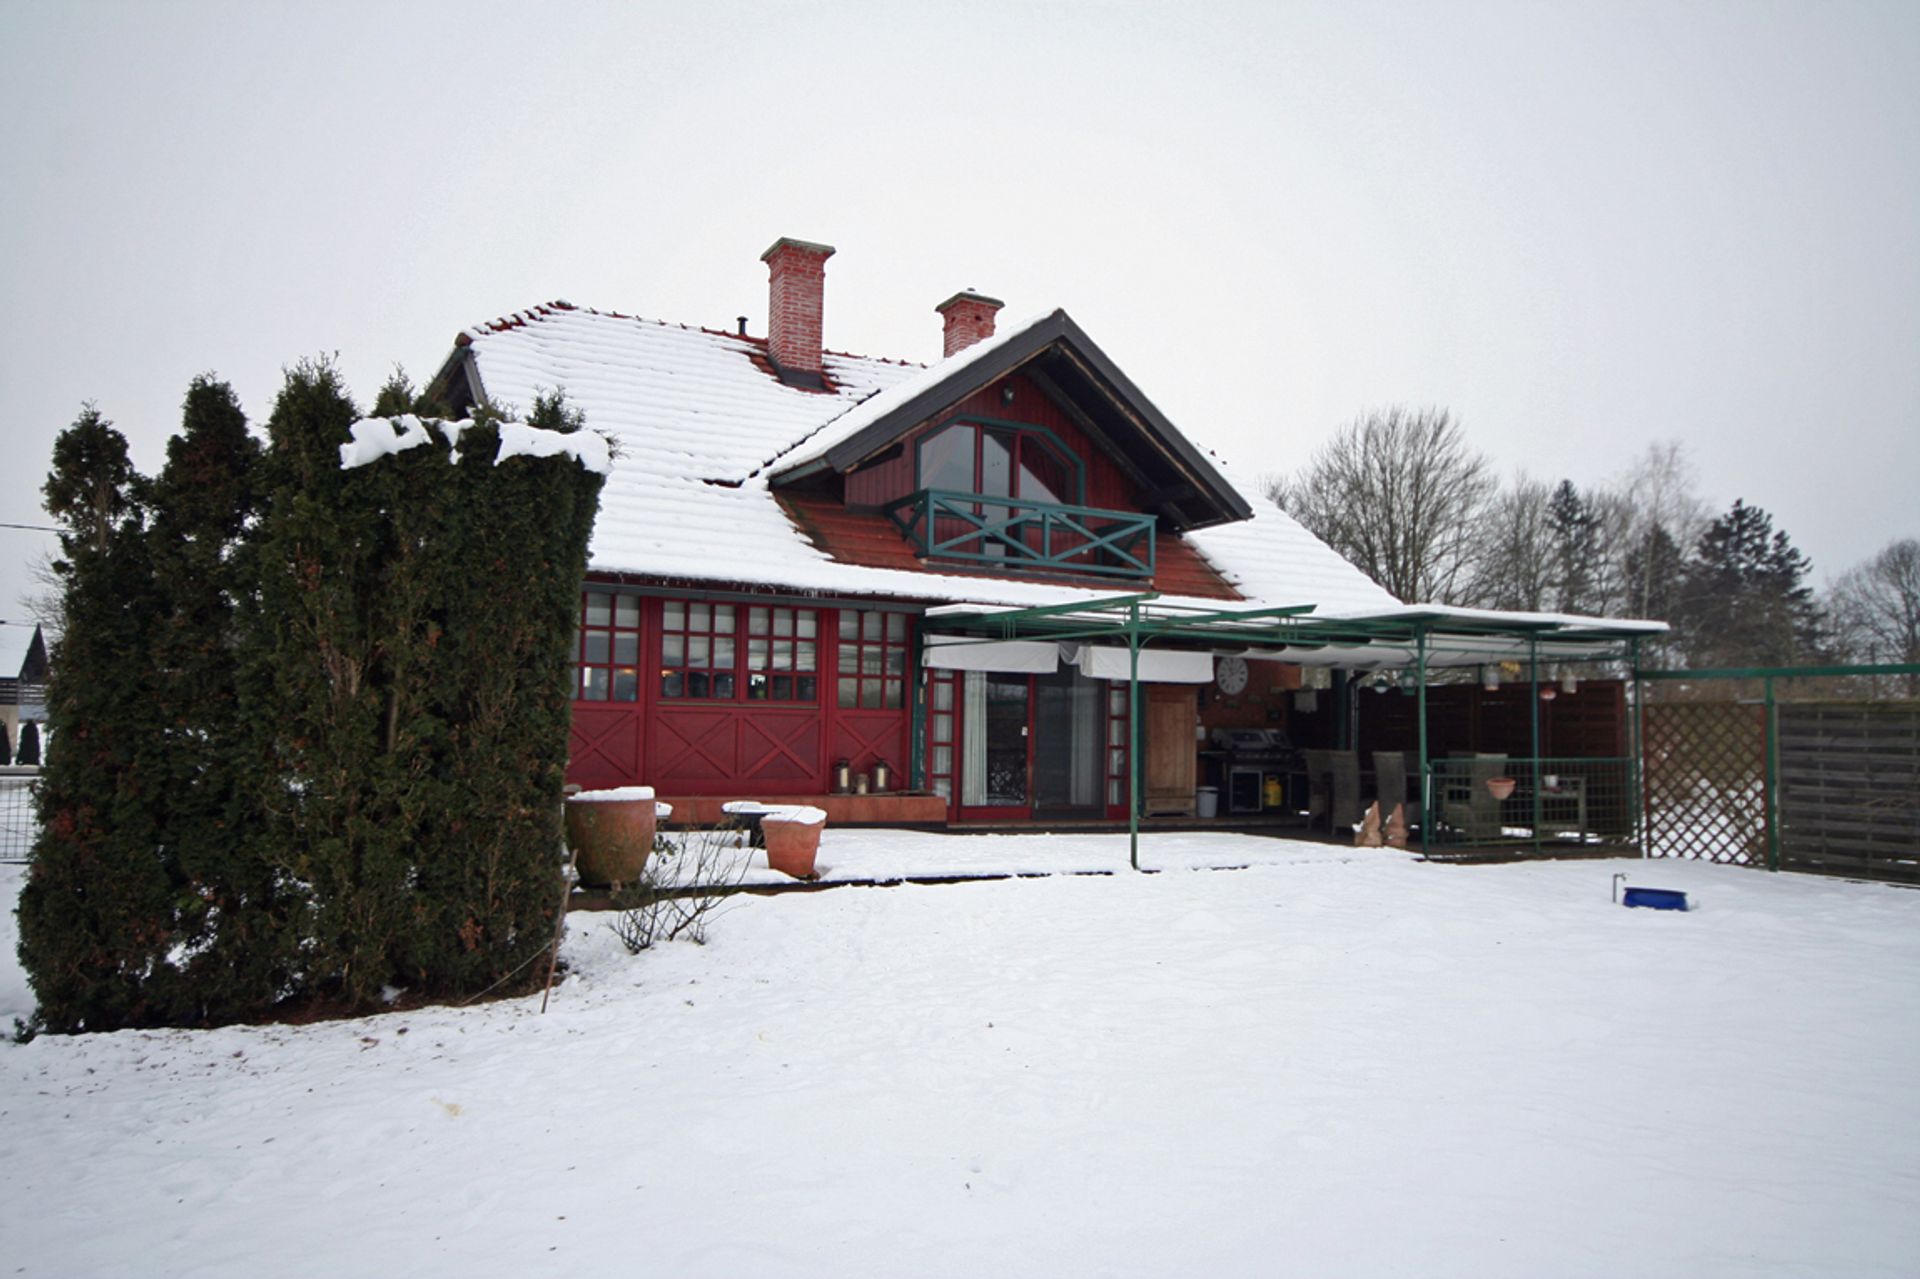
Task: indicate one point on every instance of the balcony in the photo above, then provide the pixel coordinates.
(1016, 535)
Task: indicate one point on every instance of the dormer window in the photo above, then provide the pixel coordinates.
(996, 460)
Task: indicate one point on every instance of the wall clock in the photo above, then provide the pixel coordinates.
(1230, 673)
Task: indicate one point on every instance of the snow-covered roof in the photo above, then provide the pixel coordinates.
(16, 642)
(699, 422)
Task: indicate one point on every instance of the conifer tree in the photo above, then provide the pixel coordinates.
(1576, 548)
(1744, 600)
(230, 924)
(29, 744)
(97, 910)
(6, 742)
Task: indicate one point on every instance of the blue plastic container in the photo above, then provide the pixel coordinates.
(1656, 898)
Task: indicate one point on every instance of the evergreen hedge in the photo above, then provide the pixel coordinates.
(313, 720)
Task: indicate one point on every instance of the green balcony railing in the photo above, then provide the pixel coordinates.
(1018, 534)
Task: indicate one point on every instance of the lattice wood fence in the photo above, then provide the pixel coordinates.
(1705, 777)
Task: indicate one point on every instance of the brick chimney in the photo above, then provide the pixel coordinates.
(969, 318)
(797, 278)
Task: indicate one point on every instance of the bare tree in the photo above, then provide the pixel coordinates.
(1653, 505)
(1400, 494)
(1515, 568)
(1875, 608)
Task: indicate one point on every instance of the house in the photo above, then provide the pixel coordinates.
(23, 677)
(811, 566)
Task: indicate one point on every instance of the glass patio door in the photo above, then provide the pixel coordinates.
(994, 741)
(1069, 715)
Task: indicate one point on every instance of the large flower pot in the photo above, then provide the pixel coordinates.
(793, 839)
(1501, 787)
(611, 833)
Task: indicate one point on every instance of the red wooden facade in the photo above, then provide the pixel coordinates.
(651, 708)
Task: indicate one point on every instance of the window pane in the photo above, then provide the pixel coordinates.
(723, 654)
(896, 627)
(943, 759)
(626, 685)
(1116, 732)
(872, 625)
(756, 687)
(782, 655)
(626, 649)
(807, 623)
(783, 688)
(944, 789)
(870, 694)
(849, 624)
(943, 694)
(756, 621)
(996, 464)
(783, 621)
(803, 656)
(946, 460)
(698, 684)
(672, 684)
(699, 617)
(723, 618)
(599, 608)
(943, 728)
(891, 698)
(849, 659)
(896, 661)
(806, 688)
(723, 685)
(626, 610)
(849, 692)
(870, 659)
(699, 650)
(673, 650)
(593, 684)
(673, 615)
(596, 649)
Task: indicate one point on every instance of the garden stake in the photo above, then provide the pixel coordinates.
(559, 926)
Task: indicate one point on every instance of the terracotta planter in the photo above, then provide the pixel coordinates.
(1500, 787)
(793, 840)
(611, 833)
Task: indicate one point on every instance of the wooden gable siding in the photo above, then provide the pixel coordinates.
(870, 539)
(1107, 486)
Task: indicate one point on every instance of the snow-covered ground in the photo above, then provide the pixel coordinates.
(1319, 1065)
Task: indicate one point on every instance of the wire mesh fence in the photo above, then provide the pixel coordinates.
(17, 822)
(1550, 805)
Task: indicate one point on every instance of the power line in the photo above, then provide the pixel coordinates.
(31, 528)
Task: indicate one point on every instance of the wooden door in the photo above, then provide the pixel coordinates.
(1171, 751)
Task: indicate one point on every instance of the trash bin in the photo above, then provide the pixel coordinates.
(1206, 801)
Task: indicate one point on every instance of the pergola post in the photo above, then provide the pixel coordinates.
(1426, 799)
(1133, 734)
(1533, 665)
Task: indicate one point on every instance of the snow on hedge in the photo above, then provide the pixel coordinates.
(378, 437)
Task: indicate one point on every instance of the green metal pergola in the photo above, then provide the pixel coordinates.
(1408, 638)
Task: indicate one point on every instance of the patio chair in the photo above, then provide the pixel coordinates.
(1467, 806)
(1344, 767)
(1319, 765)
(1390, 785)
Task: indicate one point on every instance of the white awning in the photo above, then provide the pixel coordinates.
(1010, 657)
(1157, 665)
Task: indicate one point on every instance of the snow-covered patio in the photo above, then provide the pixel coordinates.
(1329, 1063)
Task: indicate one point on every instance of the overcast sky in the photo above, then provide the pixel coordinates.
(1583, 227)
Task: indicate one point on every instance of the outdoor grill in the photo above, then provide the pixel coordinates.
(1251, 754)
